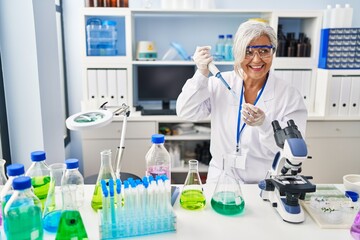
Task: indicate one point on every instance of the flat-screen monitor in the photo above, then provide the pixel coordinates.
(162, 83)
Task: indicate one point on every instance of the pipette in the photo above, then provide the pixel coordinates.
(216, 72)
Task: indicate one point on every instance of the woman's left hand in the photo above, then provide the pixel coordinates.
(251, 115)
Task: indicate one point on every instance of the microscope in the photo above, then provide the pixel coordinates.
(283, 187)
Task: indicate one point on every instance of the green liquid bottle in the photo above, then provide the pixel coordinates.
(22, 212)
(40, 175)
(227, 203)
(71, 226)
(192, 197)
(106, 172)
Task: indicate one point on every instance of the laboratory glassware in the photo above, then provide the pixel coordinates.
(40, 175)
(71, 225)
(3, 180)
(227, 198)
(22, 212)
(192, 196)
(158, 160)
(106, 173)
(355, 227)
(53, 204)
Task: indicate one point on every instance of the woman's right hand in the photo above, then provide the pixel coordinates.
(202, 57)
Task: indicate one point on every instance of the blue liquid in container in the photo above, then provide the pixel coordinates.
(51, 221)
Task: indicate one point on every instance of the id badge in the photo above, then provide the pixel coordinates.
(237, 160)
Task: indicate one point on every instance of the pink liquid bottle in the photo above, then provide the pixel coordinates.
(355, 228)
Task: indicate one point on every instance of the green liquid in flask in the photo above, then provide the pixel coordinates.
(24, 223)
(192, 199)
(96, 201)
(227, 203)
(41, 187)
(71, 226)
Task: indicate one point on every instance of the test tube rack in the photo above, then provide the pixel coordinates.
(137, 208)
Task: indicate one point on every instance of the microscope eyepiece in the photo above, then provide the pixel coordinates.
(276, 126)
(291, 123)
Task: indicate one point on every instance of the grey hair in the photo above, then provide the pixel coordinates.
(247, 32)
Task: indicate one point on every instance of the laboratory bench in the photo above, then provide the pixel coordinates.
(258, 221)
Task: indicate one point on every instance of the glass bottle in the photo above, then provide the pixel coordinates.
(71, 225)
(228, 49)
(53, 205)
(2, 182)
(192, 197)
(40, 175)
(355, 227)
(220, 47)
(158, 160)
(22, 212)
(106, 173)
(227, 198)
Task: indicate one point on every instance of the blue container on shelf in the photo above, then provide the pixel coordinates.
(101, 37)
(340, 48)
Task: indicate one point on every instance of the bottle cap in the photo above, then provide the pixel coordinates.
(72, 163)
(229, 35)
(15, 169)
(21, 183)
(38, 156)
(157, 138)
(221, 36)
(109, 23)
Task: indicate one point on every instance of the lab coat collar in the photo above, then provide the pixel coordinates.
(269, 91)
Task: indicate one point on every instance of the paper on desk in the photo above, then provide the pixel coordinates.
(330, 198)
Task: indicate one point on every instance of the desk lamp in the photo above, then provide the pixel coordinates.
(99, 118)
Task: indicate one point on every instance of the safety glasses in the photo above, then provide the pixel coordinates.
(264, 51)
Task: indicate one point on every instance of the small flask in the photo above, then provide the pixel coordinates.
(355, 227)
(192, 196)
(106, 173)
(3, 181)
(22, 212)
(71, 225)
(40, 175)
(158, 158)
(227, 198)
(228, 49)
(53, 205)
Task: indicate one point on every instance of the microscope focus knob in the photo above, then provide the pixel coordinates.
(266, 185)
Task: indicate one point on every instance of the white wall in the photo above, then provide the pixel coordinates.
(28, 45)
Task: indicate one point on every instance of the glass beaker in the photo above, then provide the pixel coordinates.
(192, 196)
(106, 172)
(53, 204)
(227, 198)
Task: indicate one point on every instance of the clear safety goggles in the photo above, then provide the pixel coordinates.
(264, 51)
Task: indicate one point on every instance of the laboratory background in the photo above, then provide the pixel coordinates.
(48, 65)
(67, 62)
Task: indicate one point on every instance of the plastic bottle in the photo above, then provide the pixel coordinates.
(192, 196)
(337, 17)
(3, 181)
(106, 173)
(348, 12)
(220, 47)
(228, 49)
(22, 213)
(158, 158)
(71, 225)
(13, 171)
(40, 175)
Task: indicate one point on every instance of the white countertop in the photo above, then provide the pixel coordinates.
(258, 221)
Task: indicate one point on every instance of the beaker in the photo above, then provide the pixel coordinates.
(53, 204)
(192, 196)
(106, 172)
(227, 198)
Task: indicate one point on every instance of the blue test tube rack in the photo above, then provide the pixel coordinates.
(136, 208)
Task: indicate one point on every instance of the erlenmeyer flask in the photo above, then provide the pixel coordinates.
(192, 196)
(227, 198)
(106, 172)
(53, 204)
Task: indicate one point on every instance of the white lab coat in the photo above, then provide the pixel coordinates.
(202, 97)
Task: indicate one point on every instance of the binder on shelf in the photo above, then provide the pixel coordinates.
(102, 85)
(334, 96)
(344, 96)
(354, 109)
(112, 88)
(121, 76)
(92, 84)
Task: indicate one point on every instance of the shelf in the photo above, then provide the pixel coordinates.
(187, 137)
(160, 62)
(294, 63)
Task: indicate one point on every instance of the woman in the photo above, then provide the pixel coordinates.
(242, 125)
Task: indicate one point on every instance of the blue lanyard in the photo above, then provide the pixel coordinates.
(238, 130)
